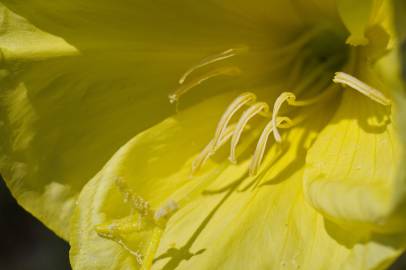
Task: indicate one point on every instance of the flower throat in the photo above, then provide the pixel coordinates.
(319, 55)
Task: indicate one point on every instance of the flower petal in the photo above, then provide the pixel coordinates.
(37, 44)
(63, 115)
(148, 26)
(150, 164)
(154, 25)
(236, 222)
(354, 170)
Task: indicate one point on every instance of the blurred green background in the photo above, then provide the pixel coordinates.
(26, 244)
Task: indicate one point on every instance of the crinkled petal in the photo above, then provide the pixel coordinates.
(354, 171)
(351, 170)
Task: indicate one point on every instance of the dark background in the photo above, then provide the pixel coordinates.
(26, 244)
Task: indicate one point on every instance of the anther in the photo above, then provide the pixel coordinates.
(263, 139)
(213, 59)
(246, 116)
(239, 102)
(165, 211)
(228, 71)
(290, 99)
(284, 97)
(363, 88)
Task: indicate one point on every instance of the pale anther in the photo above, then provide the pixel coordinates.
(363, 88)
(183, 89)
(213, 59)
(290, 99)
(166, 211)
(246, 116)
(263, 139)
(284, 97)
(239, 102)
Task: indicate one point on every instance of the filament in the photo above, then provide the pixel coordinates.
(213, 59)
(247, 115)
(207, 152)
(261, 145)
(239, 102)
(228, 71)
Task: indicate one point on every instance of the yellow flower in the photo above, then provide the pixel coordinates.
(284, 149)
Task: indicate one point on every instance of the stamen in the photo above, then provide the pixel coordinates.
(239, 102)
(363, 88)
(207, 152)
(290, 98)
(228, 71)
(247, 115)
(263, 139)
(213, 59)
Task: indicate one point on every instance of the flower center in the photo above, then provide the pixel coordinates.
(314, 56)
